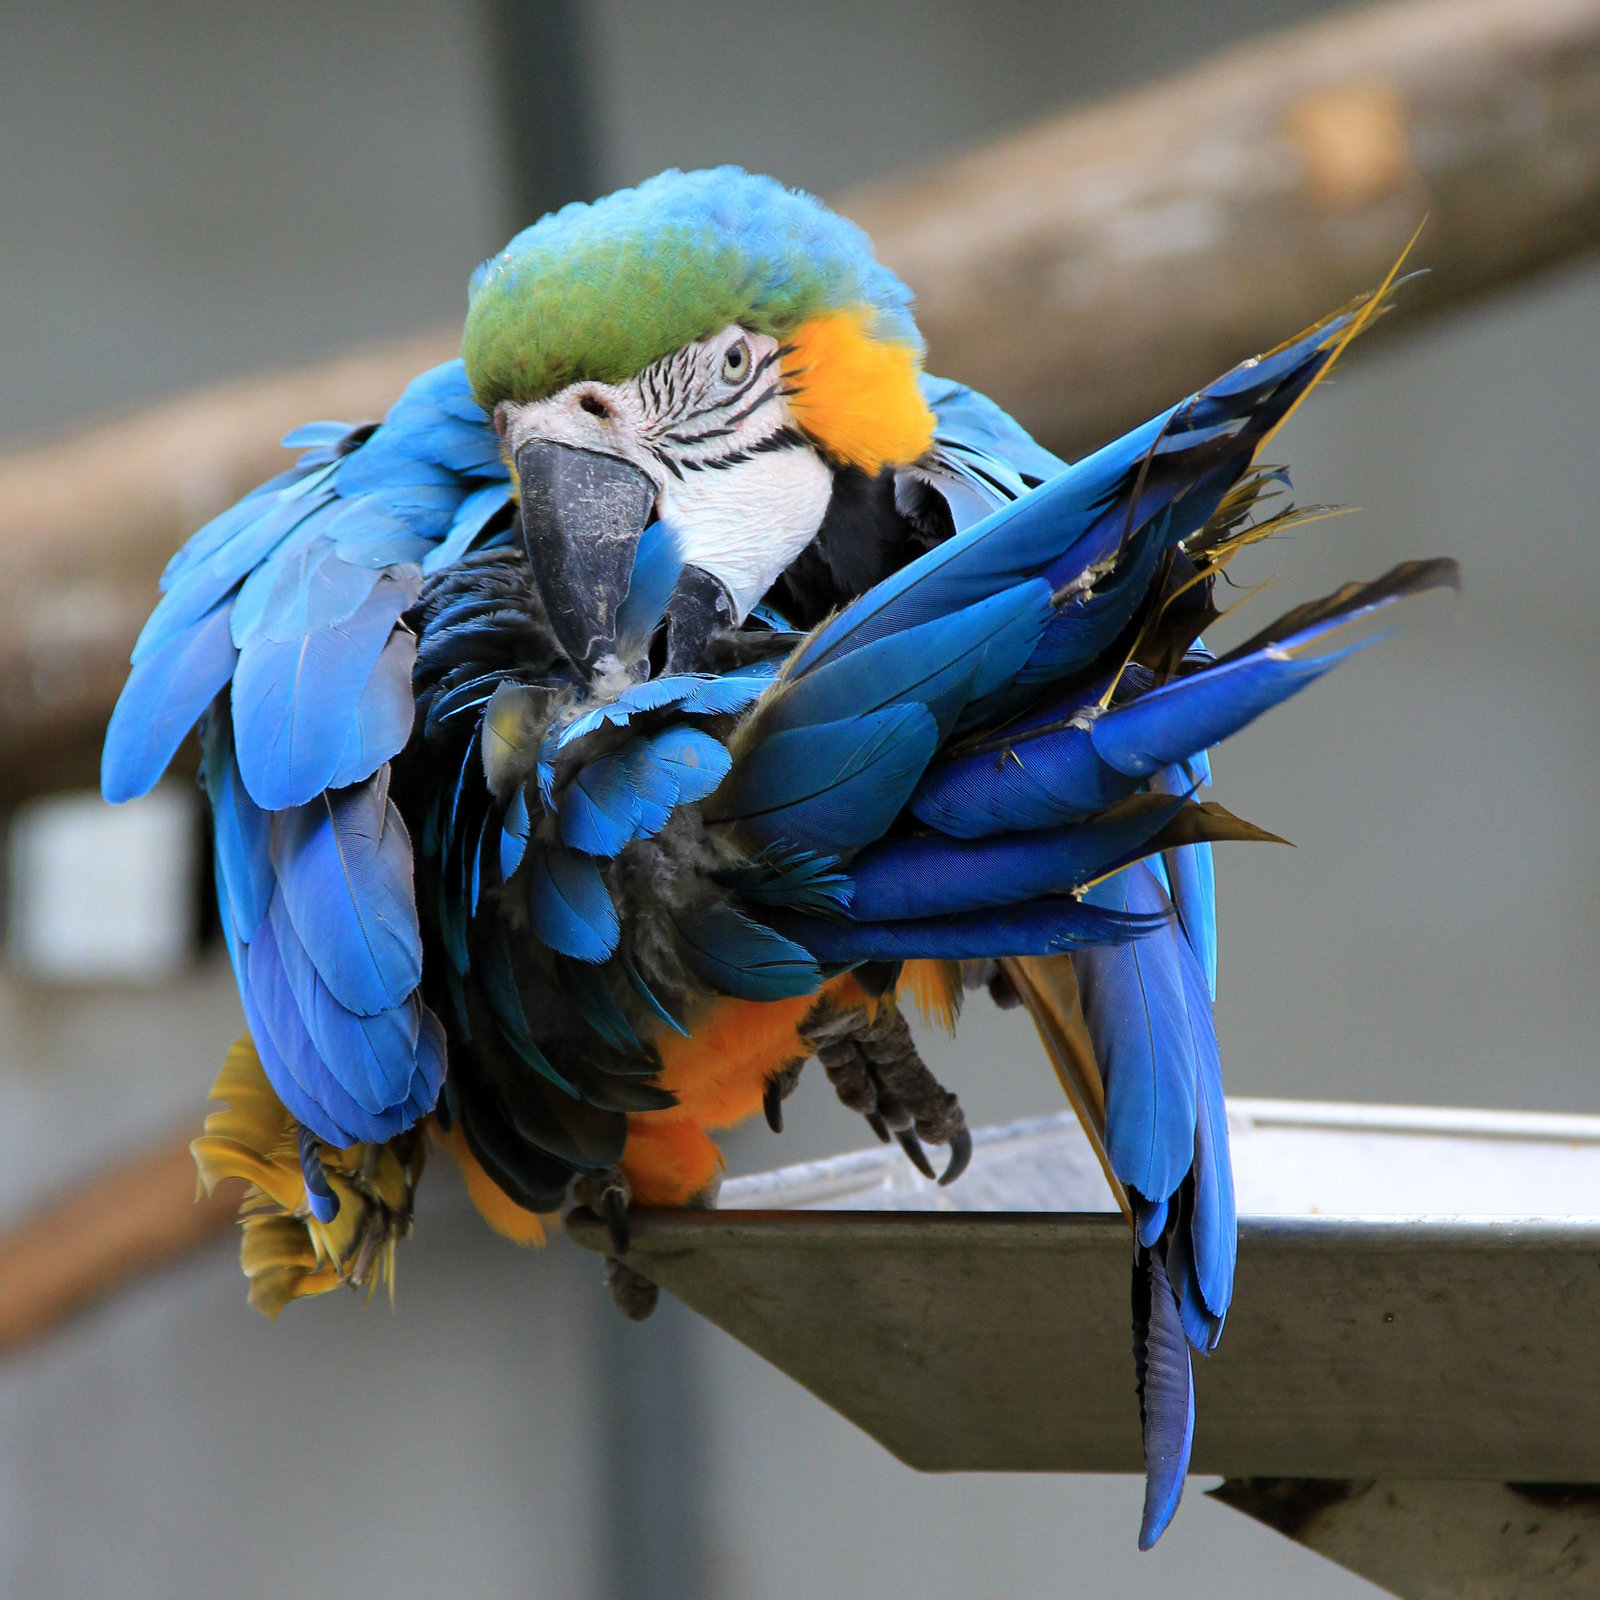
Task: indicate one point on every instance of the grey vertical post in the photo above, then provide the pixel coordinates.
(547, 128)
(649, 1400)
(655, 1545)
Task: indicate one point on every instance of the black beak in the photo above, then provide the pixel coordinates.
(582, 514)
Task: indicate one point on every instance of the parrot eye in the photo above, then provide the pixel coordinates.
(735, 362)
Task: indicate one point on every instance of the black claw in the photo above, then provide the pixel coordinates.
(960, 1156)
(875, 1122)
(616, 1205)
(635, 1296)
(912, 1146)
(772, 1104)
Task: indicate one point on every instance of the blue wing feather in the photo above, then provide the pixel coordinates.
(344, 863)
(1043, 927)
(569, 905)
(830, 787)
(1170, 724)
(935, 876)
(746, 959)
(941, 664)
(295, 703)
(384, 713)
(372, 1058)
(307, 1086)
(163, 699)
(242, 833)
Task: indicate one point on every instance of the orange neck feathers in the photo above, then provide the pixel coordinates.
(855, 395)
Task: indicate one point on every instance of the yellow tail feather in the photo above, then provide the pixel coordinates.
(935, 987)
(286, 1253)
(1049, 990)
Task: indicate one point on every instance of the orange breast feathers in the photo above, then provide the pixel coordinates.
(719, 1074)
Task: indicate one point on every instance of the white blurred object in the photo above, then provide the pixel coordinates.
(103, 894)
(1291, 1158)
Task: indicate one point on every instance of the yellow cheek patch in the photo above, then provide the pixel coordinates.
(855, 395)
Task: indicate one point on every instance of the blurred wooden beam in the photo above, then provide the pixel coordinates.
(87, 523)
(1090, 271)
(1084, 273)
(118, 1226)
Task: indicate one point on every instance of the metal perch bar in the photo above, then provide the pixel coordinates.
(1407, 1381)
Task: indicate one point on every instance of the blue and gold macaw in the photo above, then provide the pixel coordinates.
(669, 688)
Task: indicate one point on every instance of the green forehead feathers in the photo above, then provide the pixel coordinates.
(602, 290)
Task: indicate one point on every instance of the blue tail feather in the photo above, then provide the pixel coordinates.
(1166, 1396)
(1138, 1015)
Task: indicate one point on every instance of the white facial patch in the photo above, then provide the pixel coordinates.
(745, 523)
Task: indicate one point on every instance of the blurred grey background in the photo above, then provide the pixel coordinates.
(189, 191)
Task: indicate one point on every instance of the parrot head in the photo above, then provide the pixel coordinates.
(707, 353)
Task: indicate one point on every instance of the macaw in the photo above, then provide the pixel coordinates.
(673, 686)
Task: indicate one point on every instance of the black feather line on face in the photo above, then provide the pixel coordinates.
(769, 394)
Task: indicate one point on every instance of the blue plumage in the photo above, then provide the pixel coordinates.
(1034, 779)
(832, 786)
(344, 865)
(321, 1199)
(242, 831)
(687, 694)
(1041, 927)
(1213, 1234)
(1166, 1396)
(572, 911)
(657, 566)
(514, 832)
(295, 703)
(736, 955)
(164, 697)
(935, 875)
(942, 664)
(1173, 723)
(693, 761)
(990, 755)
(372, 1052)
(326, 1105)
(494, 972)
(310, 586)
(1190, 871)
(295, 594)
(599, 809)
(1144, 1035)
